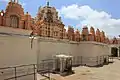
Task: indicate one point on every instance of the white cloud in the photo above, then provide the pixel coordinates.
(88, 16)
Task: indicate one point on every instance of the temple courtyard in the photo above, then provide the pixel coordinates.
(107, 72)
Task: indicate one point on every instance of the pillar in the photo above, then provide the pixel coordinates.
(118, 52)
(55, 65)
(61, 65)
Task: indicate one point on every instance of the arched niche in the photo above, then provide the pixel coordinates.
(14, 21)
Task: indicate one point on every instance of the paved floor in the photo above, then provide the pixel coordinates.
(107, 72)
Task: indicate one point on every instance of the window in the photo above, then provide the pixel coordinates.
(14, 21)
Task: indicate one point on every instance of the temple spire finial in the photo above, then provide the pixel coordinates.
(17, 1)
(10, 0)
(48, 3)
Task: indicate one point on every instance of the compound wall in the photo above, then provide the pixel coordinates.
(16, 48)
(47, 48)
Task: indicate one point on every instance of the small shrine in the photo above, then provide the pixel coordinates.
(63, 64)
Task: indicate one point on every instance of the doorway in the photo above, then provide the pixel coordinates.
(114, 52)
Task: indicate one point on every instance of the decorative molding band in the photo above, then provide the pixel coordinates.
(11, 34)
(44, 39)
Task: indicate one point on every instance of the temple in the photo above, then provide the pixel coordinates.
(45, 43)
(48, 24)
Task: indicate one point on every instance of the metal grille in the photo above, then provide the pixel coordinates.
(45, 66)
(28, 72)
(90, 61)
(23, 72)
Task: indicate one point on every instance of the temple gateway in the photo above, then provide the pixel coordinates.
(31, 40)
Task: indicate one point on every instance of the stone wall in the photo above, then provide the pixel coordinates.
(15, 47)
(48, 47)
(44, 48)
(15, 50)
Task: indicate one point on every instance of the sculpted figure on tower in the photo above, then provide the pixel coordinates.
(85, 34)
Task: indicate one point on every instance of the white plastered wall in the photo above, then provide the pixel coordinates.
(48, 48)
(16, 50)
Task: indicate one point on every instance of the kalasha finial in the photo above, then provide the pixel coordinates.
(17, 1)
(10, 0)
(119, 36)
(48, 3)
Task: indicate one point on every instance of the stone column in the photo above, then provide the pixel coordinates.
(118, 52)
(55, 64)
(61, 65)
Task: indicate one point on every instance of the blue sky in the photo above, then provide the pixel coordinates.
(103, 14)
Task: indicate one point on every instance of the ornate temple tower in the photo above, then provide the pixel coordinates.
(92, 34)
(28, 22)
(98, 39)
(114, 41)
(1, 18)
(71, 33)
(14, 16)
(92, 31)
(77, 35)
(65, 34)
(85, 34)
(102, 35)
(51, 25)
